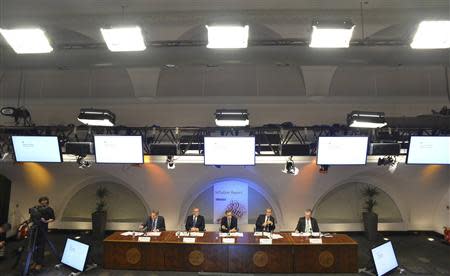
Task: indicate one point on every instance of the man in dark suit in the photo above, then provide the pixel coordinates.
(229, 223)
(266, 222)
(195, 222)
(155, 223)
(307, 223)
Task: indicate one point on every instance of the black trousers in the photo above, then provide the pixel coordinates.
(38, 255)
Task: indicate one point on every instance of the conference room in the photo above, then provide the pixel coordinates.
(194, 137)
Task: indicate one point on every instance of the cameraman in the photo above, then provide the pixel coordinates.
(47, 216)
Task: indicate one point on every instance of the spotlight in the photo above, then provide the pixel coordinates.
(430, 239)
(97, 117)
(390, 161)
(170, 162)
(323, 169)
(227, 37)
(18, 114)
(364, 119)
(290, 167)
(232, 117)
(83, 163)
(331, 34)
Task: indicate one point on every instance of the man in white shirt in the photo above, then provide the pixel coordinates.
(307, 224)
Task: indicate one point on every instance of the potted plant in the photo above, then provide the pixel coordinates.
(99, 216)
(370, 218)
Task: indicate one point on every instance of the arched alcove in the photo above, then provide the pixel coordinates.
(344, 204)
(257, 201)
(123, 205)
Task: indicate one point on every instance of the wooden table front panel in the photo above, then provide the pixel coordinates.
(290, 254)
(246, 258)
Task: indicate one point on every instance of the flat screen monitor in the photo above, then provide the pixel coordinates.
(118, 149)
(429, 150)
(384, 258)
(229, 151)
(75, 254)
(351, 150)
(36, 149)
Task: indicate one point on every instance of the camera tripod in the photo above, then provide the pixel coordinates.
(33, 234)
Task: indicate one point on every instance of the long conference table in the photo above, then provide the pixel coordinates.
(210, 253)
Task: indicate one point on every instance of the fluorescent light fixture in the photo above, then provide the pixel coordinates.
(364, 119)
(96, 117)
(331, 35)
(124, 39)
(232, 117)
(432, 35)
(27, 41)
(227, 37)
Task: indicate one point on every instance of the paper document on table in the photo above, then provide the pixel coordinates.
(197, 234)
(315, 241)
(137, 234)
(153, 234)
(258, 234)
(295, 234)
(236, 234)
(276, 236)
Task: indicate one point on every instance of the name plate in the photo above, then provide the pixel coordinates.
(265, 241)
(189, 240)
(228, 240)
(315, 241)
(144, 239)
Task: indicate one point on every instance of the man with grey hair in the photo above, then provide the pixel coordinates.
(154, 223)
(307, 224)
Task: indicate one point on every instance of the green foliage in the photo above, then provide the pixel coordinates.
(370, 193)
(101, 195)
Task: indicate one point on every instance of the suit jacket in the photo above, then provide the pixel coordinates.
(200, 223)
(160, 224)
(224, 222)
(259, 224)
(302, 223)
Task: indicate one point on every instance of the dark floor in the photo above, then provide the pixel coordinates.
(416, 255)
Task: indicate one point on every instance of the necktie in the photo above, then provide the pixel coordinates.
(229, 223)
(154, 224)
(195, 221)
(308, 225)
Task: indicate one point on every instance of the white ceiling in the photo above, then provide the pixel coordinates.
(82, 68)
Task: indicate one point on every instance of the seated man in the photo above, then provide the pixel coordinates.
(265, 223)
(155, 223)
(307, 224)
(229, 223)
(3, 229)
(195, 222)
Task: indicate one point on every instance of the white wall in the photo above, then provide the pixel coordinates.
(421, 192)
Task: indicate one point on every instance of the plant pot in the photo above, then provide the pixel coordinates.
(99, 224)
(370, 221)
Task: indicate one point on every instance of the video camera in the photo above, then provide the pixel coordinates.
(36, 213)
